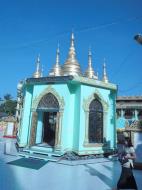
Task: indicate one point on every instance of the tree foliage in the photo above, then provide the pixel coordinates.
(8, 105)
(7, 97)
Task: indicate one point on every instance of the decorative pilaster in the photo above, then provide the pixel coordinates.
(136, 114)
(32, 134)
(122, 113)
(59, 130)
(86, 140)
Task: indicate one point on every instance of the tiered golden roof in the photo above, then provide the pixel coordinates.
(71, 66)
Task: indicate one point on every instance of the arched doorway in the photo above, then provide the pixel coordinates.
(95, 133)
(49, 106)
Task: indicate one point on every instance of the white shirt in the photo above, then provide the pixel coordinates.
(129, 151)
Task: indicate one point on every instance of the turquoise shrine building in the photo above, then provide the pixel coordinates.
(67, 110)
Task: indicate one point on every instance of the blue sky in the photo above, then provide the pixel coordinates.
(30, 27)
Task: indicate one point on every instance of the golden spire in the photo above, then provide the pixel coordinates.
(71, 66)
(56, 71)
(38, 73)
(105, 78)
(90, 72)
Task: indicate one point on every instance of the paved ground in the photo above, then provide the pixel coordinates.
(100, 174)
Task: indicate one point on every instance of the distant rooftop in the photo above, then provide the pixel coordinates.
(129, 98)
(130, 102)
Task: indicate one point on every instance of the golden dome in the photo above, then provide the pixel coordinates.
(71, 66)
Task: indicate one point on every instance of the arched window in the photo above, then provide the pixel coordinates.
(95, 122)
(48, 101)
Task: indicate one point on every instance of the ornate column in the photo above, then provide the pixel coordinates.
(86, 140)
(32, 135)
(121, 113)
(136, 114)
(58, 130)
(105, 120)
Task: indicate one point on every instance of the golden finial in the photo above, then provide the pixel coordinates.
(105, 78)
(58, 55)
(71, 66)
(37, 74)
(97, 75)
(90, 57)
(72, 40)
(42, 70)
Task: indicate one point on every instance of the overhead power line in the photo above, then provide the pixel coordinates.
(84, 29)
(136, 85)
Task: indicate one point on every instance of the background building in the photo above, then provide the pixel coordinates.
(129, 120)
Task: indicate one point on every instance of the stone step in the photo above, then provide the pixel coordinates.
(39, 148)
(39, 156)
(46, 151)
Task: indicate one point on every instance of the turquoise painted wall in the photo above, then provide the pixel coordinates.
(112, 132)
(73, 121)
(39, 128)
(76, 117)
(26, 115)
(86, 91)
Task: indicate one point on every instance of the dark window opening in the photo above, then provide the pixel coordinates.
(95, 122)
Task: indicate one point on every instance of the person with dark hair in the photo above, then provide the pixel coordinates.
(126, 156)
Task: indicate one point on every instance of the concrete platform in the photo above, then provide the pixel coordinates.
(99, 174)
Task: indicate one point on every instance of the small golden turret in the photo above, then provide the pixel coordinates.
(38, 73)
(105, 78)
(57, 70)
(90, 73)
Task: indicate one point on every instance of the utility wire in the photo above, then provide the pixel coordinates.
(131, 88)
(130, 19)
(84, 29)
(124, 62)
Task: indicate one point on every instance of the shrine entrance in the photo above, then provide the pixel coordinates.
(49, 128)
(49, 106)
(46, 121)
